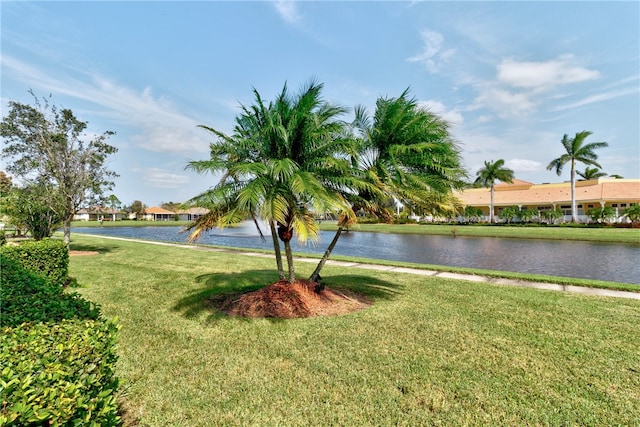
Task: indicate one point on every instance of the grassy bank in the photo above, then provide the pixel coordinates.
(595, 234)
(603, 234)
(428, 351)
(129, 223)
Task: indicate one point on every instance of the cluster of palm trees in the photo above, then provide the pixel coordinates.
(575, 151)
(291, 159)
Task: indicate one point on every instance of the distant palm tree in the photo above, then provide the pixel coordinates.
(576, 151)
(488, 175)
(591, 173)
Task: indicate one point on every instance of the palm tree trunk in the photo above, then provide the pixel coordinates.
(287, 250)
(491, 208)
(574, 210)
(316, 273)
(276, 249)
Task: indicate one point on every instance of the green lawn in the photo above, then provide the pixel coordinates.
(597, 234)
(600, 234)
(429, 351)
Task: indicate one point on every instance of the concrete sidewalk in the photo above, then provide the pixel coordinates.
(386, 268)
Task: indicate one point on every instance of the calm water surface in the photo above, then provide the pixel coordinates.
(589, 260)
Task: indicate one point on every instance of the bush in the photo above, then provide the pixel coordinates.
(59, 374)
(28, 297)
(3, 238)
(58, 355)
(48, 258)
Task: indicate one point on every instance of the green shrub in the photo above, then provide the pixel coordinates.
(58, 355)
(59, 374)
(28, 297)
(3, 238)
(48, 258)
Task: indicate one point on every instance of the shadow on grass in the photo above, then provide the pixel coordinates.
(75, 246)
(224, 284)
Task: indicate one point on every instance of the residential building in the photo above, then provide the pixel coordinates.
(618, 194)
(155, 213)
(191, 214)
(98, 214)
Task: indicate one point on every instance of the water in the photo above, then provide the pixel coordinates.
(589, 260)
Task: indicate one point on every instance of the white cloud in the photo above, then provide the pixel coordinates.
(161, 127)
(524, 165)
(598, 98)
(543, 75)
(432, 55)
(288, 11)
(454, 117)
(504, 103)
(159, 178)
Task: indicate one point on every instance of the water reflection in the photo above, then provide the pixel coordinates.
(602, 261)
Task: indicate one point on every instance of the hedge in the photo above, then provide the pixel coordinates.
(49, 258)
(57, 353)
(59, 374)
(28, 297)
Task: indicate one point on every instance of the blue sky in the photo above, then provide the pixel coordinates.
(511, 77)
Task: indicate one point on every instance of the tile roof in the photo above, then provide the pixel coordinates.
(194, 211)
(523, 193)
(155, 210)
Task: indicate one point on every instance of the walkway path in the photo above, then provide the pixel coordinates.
(387, 268)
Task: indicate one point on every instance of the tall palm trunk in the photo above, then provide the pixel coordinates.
(276, 249)
(316, 273)
(493, 189)
(574, 210)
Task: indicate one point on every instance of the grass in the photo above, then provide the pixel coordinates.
(595, 234)
(429, 351)
(129, 223)
(566, 232)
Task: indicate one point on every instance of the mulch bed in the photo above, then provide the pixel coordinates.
(286, 300)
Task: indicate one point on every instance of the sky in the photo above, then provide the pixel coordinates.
(511, 78)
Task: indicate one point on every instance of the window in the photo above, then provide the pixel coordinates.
(623, 205)
(589, 206)
(614, 205)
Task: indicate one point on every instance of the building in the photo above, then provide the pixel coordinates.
(98, 214)
(155, 213)
(191, 214)
(618, 194)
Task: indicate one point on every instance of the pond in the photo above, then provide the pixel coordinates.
(589, 260)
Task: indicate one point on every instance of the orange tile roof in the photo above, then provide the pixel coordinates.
(608, 190)
(155, 210)
(194, 211)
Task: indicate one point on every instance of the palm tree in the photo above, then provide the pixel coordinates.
(488, 175)
(284, 161)
(576, 151)
(404, 152)
(591, 173)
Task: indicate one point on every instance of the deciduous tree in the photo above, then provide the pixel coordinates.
(50, 145)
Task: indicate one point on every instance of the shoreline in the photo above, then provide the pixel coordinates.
(479, 278)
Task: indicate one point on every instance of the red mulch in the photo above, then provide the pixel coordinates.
(286, 300)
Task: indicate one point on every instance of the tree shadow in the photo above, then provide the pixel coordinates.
(216, 286)
(367, 286)
(75, 246)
